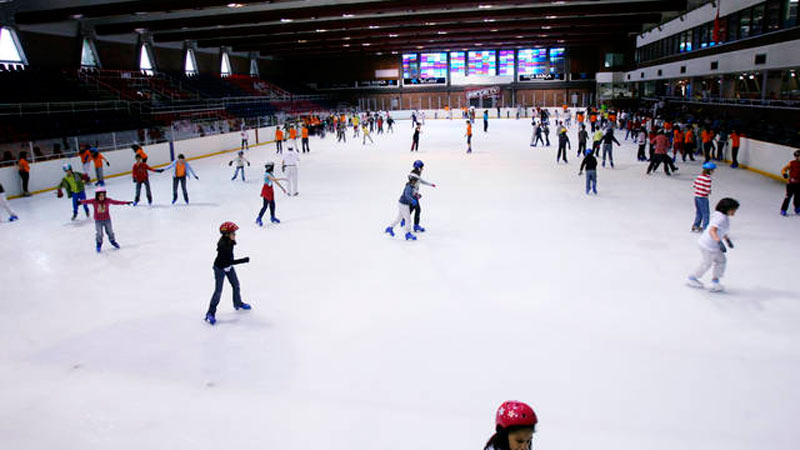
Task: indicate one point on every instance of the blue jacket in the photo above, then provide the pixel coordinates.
(408, 195)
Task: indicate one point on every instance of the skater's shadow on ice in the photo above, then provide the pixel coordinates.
(181, 348)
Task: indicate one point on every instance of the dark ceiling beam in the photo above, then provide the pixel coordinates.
(390, 7)
(438, 33)
(387, 24)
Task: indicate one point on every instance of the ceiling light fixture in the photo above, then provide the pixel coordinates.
(235, 5)
(373, 27)
(488, 20)
(348, 15)
(287, 20)
(441, 32)
(321, 30)
(393, 35)
(485, 6)
(366, 44)
(345, 45)
(551, 17)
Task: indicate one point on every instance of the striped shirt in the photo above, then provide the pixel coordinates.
(702, 186)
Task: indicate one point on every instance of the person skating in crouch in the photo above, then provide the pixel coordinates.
(268, 194)
(712, 245)
(416, 175)
(515, 424)
(407, 201)
(223, 267)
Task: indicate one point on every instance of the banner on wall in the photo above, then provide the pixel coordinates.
(492, 91)
(541, 76)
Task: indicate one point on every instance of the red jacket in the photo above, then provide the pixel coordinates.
(140, 172)
(101, 208)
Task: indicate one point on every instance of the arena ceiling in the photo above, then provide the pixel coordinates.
(316, 27)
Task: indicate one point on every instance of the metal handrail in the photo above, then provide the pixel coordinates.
(724, 101)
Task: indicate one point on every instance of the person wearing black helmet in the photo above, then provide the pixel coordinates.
(223, 268)
(416, 178)
(268, 195)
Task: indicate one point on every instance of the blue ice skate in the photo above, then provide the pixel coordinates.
(13, 218)
(783, 212)
(99, 246)
(114, 243)
(259, 222)
(210, 319)
(410, 237)
(274, 220)
(418, 229)
(244, 306)
(797, 211)
(402, 222)
(389, 230)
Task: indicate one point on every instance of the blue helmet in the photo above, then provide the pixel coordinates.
(67, 167)
(587, 152)
(709, 165)
(418, 164)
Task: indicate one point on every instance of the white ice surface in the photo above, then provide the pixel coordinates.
(522, 288)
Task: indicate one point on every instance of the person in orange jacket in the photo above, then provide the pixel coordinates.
(736, 138)
(304, 140)
(279, 140)
(139, 151)
(24, 172)
(98, 159)
(468, 134)
(86, 159)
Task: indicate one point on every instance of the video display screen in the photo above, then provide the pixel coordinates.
(506, 66)
(433, 65)
(410, 65)
(532, 61)
(557, 61)
(482, 63)
(458, 63)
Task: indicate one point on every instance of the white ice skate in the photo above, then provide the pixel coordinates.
(695, 283)
(716, 287)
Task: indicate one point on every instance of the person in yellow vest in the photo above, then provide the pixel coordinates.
(181, 167)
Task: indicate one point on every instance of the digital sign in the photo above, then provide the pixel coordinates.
(410, 65)
(458, 63)
(532, 61)
(433, 65)
(506, 66)
(482, 63)
(557, 61)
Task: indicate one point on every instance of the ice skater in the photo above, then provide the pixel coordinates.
(791, 172)
(406, 202)
(536, 137)
(98, 159)
(641, 141)
(182, 168)
(304, 139)
(390, 124)
(12, 216)
(468, 134)
(589, 164)
(583, 136)
(86, 160)
(141, 177)
(415, 140)
(24, 170)
(702, 189)
(515, 424)
(102, 216)
(563, 143)
(289, 167)
(416, 177)
(268, 194)
(223, 268)
(366, 134)
(735, 140)
(608, 142)
(278, 140)
(245, 137)
(73, 182)
(712, 245)
(486, 120)
(139, 151)
(240, 161)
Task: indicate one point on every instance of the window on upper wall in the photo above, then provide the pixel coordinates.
(703, 36)
(11, 53)
(757, 23)
(696, 38)
(225, 66)
(145, 61)
(790, 17)
(190, 63)
(772, 18)
(733, 27)
(744, 24)
(88, 56)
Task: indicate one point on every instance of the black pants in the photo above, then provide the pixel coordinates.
(485, 125)
(657, 160)
(581, 148)
(707, 149)
(416, 211)
(25, 177)
(219, 279)
(547, 139)
(279, 146)
(651, 152)
(304, 142)
(267, 204)
(415, 145)
(538, 139)
(146, 184)
(640, 155)
(562, 150)
(182, 181)
(792, 190)
(735, 155)
(244, 144)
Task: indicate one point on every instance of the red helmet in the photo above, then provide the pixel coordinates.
(513, 413)
(228, 227)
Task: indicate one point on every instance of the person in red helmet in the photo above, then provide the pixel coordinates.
(515, 424)
(223, 267)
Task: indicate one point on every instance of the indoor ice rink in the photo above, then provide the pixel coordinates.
(522, 287)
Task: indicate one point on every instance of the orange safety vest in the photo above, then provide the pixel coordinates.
(98, 160)
(469, 129)
(292, 133)
(24, 166)
(278, 135)
(180, 169)
(305, 133)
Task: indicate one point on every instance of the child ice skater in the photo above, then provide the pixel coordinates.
(141, 177)
(407, 201)
(416, 177)
(239, 160)
(12, 216)
(223, 267)
(289, 167)
(589, 163)
(415, 139)
(98, 159)
(268, 194)
(73, 182)
(702, 189)
(102, 216)
(712, 245)
(515, 424)
(468, 134)
(182, 168)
